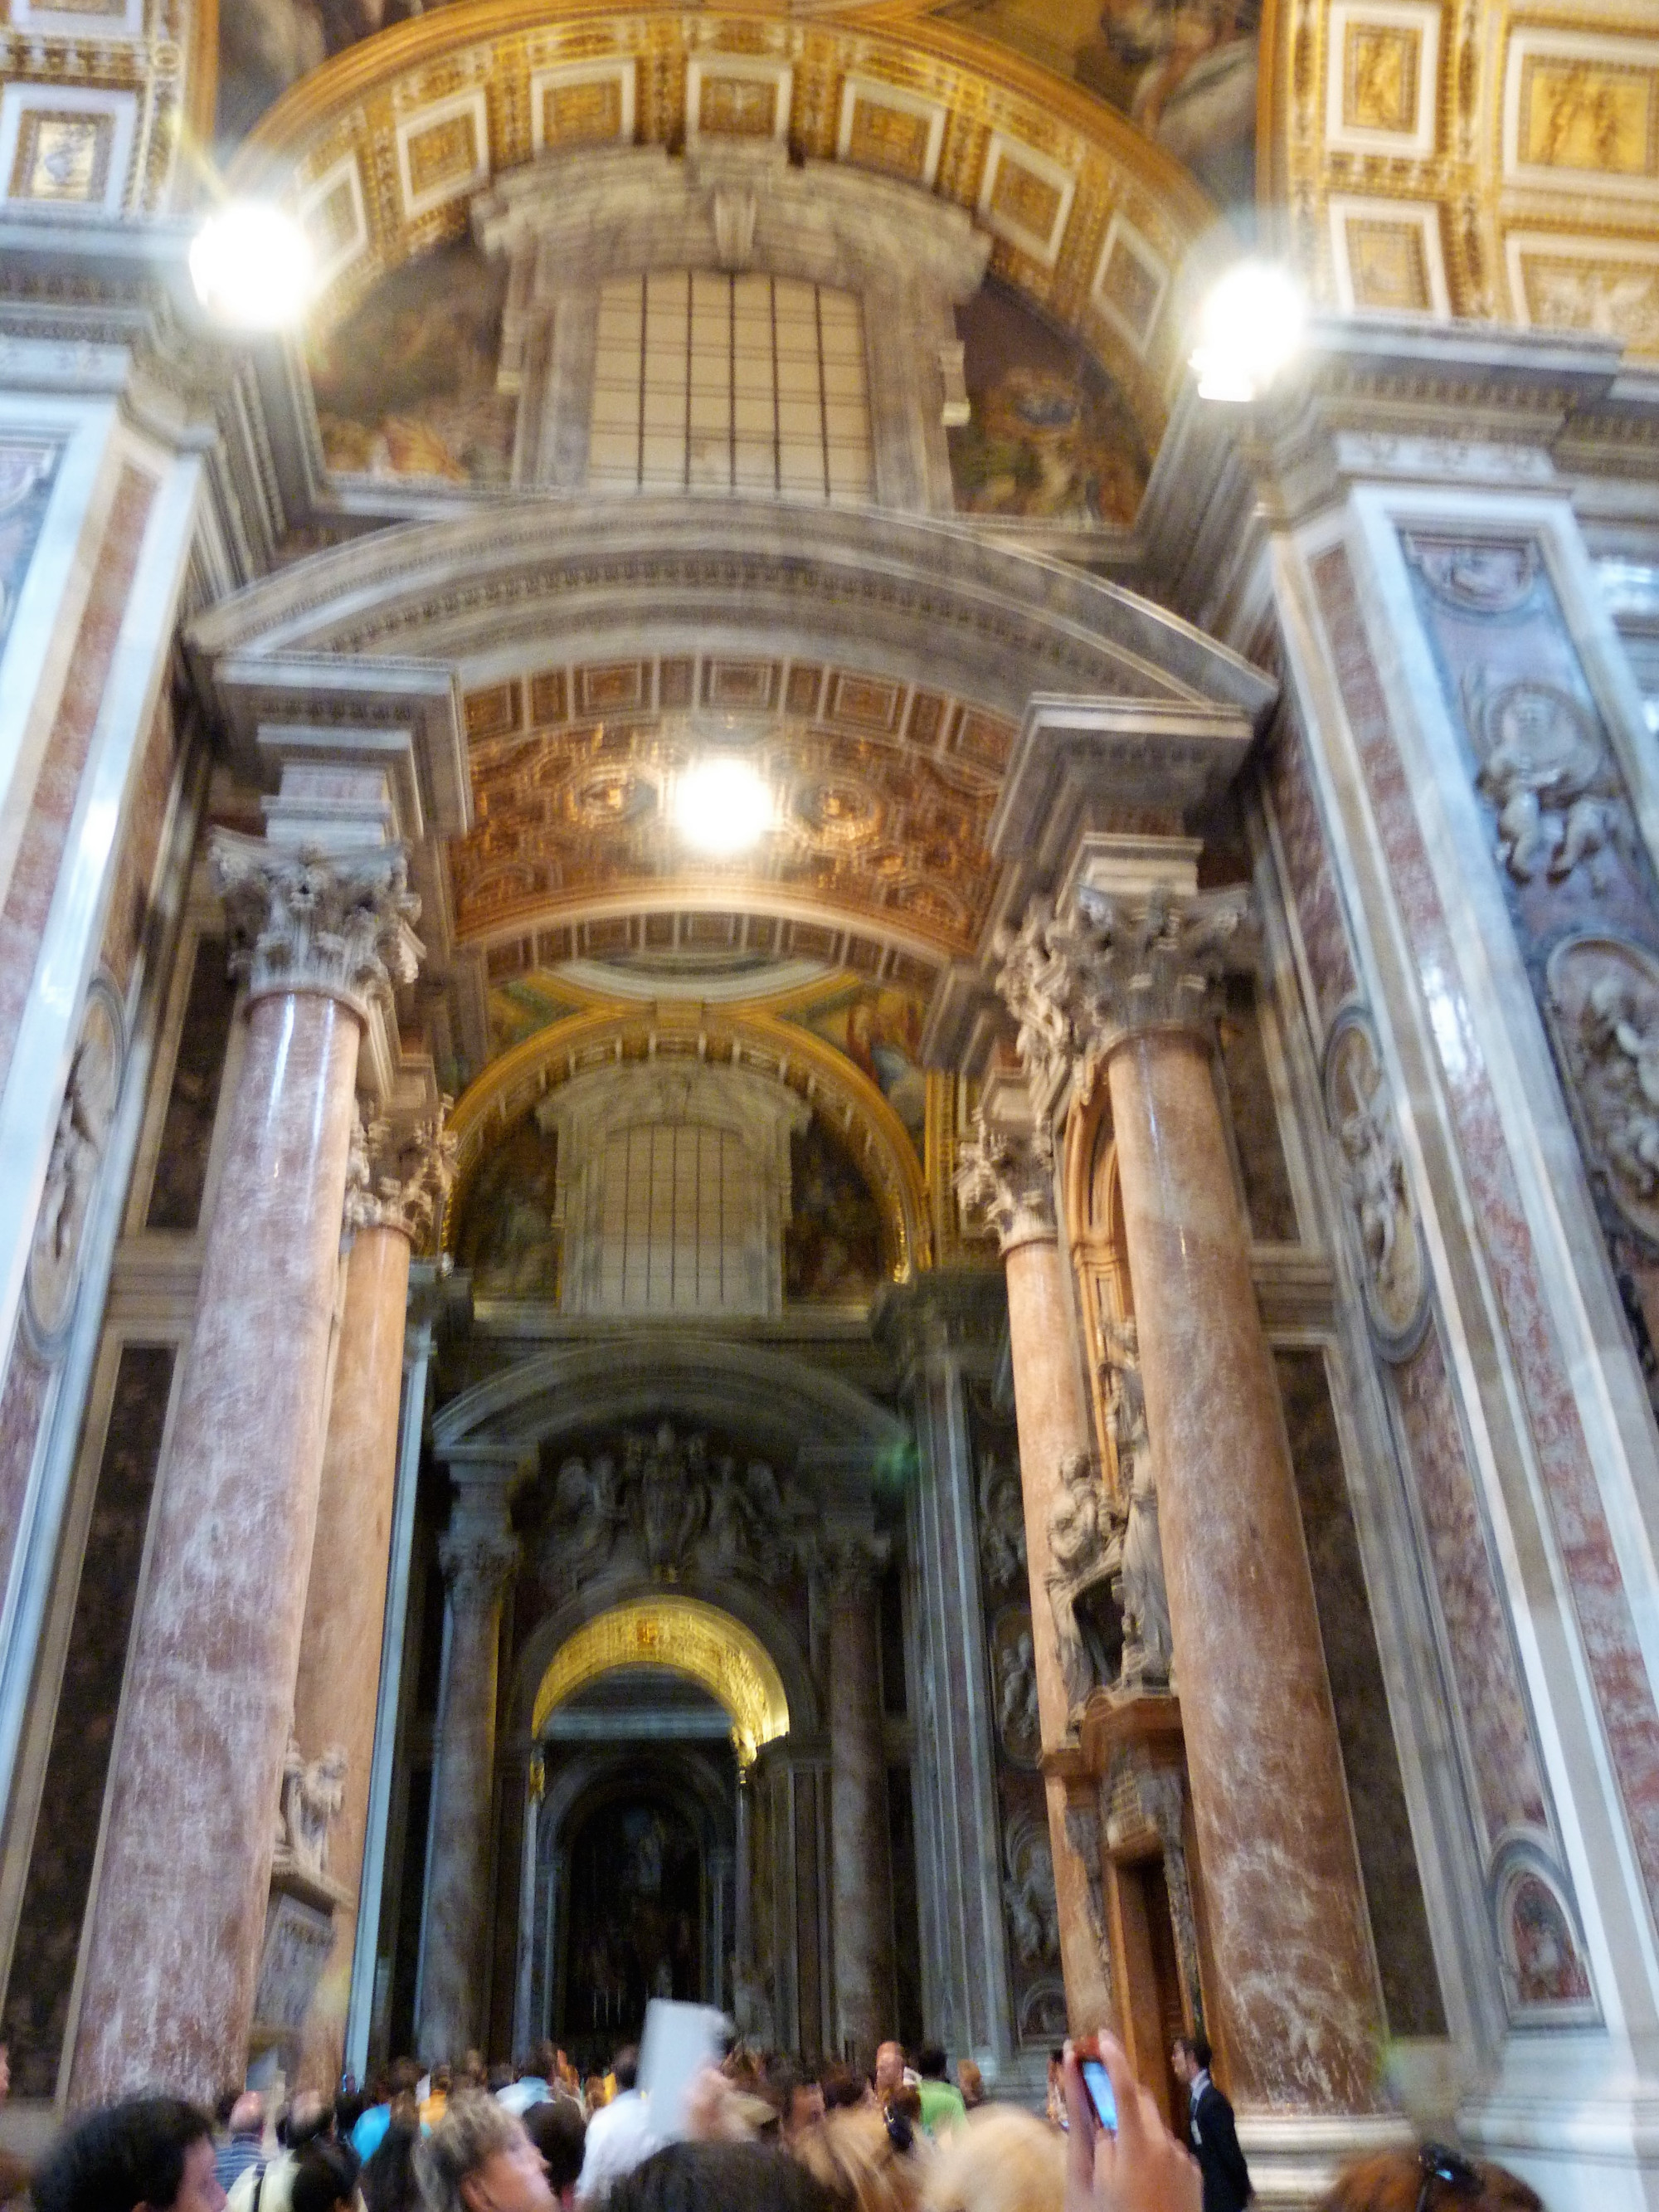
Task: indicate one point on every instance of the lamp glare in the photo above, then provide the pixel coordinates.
(721, 807)
(1249, 327)
(252, 266)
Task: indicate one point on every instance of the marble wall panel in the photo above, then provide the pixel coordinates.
(1316, 902)
(22, 1400)
(1254, 1113)
(181, 1165)
(1377, 1792)
(1624, 1693)
(140, 846)
(36, 2009)
(1540, 761)
(28, 897)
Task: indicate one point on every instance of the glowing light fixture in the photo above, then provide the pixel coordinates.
(252, 266)
(1249, 327)
(722, 806)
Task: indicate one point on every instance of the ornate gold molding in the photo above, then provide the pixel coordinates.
(780, 1051)
(688, 1637)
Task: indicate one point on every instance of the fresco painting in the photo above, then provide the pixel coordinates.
(879, 1030)
(508, 1238)
(1184, 71)
(1050, 439)
(832, 1244)
(405, 385)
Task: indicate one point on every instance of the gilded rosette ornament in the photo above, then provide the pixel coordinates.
(338, 924)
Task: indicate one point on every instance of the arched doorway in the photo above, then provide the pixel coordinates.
(647, 1721)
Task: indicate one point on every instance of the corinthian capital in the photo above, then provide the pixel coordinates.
(338, 924)
(401, 1180)
(1078, 982)
(477, 1564)
(1005, 1178)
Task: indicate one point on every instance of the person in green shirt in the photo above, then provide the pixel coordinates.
(942, 2107)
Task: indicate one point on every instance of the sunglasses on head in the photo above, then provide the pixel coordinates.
(1441, 2164)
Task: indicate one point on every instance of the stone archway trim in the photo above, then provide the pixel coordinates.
(688, 1637)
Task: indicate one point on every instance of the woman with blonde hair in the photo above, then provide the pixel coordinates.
(478, 2159)
(852, 2153)
(999, 2160)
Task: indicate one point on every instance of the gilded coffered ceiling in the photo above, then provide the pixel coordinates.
(1462, 157)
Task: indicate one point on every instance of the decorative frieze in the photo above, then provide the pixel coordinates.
(340, 925)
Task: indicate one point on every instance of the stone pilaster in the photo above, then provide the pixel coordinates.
(179, 1919)
(1007, 1177)
(861, 1874)
(479, 1555)
(1127, 989)
(393, 1191)
(947, 1329)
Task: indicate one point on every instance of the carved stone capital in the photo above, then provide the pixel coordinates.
(400, 1180)
(477, 1565)
(852, 1564)
(1080, 982)
(338, 924)
(1005, 1178)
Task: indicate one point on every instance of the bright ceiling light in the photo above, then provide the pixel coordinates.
(722, 806)
(1249, 327)
(252, 266)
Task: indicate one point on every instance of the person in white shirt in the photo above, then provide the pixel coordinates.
(620, 2135)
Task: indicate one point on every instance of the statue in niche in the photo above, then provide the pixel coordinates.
(1085, 1555)
(1028, 1889)
(1148, 1645)
(585, 1503)
(84, 1115)
(671, 1482)
(313, 1794)
(1001, 1522)
(1018, 1720)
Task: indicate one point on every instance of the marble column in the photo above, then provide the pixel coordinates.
(1007, 1175)
(479, 1555)
(861, 1874)
(178, 1920)
(1127, 989)
(393, 1191)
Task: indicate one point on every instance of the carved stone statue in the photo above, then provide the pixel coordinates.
(1028, 1890)
(1148, 1645)
(1548, 773)
(1084, 1554)
(84, 1115)
(1001, 1524)
(1604, 1011)
(313, 1793)
(660, 1502)
(1019, 1722)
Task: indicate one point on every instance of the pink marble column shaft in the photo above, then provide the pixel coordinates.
(336, 1694)
(478, 1555)
(1053, 1422)
(861, 1888)
(1296, 1999)
(179, 1915)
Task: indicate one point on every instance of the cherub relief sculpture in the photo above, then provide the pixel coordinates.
(1603, 1008)
(313, 1794)
(1028, 1889)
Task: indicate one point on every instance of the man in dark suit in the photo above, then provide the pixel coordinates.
(1209, 2129)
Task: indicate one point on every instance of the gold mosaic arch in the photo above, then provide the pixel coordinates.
(762, 1042)
(381, 148)
(1485, 160)
(689, 1638)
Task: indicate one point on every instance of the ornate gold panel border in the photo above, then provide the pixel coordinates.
(777, 1049)
(1053, 165)
(689, 1638)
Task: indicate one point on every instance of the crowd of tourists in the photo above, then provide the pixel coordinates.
(758, 2133)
